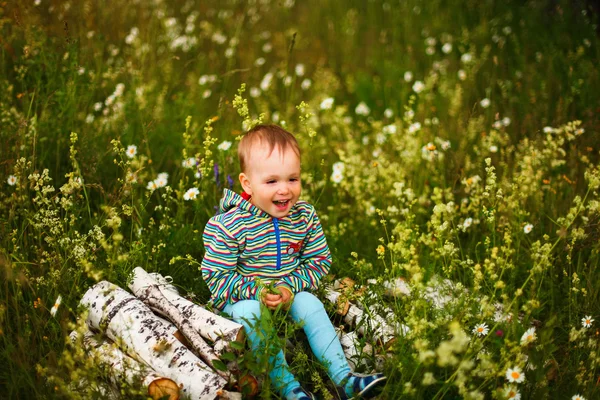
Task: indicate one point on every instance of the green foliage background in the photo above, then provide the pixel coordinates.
(513, 83)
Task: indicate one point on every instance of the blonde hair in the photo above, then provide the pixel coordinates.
(273, 135)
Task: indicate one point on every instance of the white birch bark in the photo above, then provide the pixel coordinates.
(145, 337)
(148, 290)
(122, 368)
(221, 331)
(352, 350)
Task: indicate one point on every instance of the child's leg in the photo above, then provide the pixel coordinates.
(326, 346)
(247, 313)
(323, 340)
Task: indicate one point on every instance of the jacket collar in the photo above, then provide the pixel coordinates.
(233, 200)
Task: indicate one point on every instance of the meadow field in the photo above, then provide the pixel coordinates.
(453, 140)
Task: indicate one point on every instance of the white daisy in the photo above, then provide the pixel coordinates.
(189, 163)
(493, 149)
(131, 151)
(587, 321)
(408, 76)
(299, 70)
(466, 58)
(447, 48)
(481, 329)
(54, 308)
(485, 103)
(468, 222)
(362, 109)
(339, 166)
(462, 75)
(515, 375)
(529, 336)
(306, 84)
(12, 180)
(226, 145)
(151, 186)
(388, 113)
(326, 104)
(191, 194)
(527, 228)
(337, 176)
(418, 87)
(511, 393)
(578, 397)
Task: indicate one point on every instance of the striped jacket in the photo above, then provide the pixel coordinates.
(244, 243)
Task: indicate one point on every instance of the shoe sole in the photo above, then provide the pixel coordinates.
(368, 388)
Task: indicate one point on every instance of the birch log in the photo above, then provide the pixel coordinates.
(122, 368)
(221, 331)
(145, 337)
(148, 290)
(352, 349)
(365, 321)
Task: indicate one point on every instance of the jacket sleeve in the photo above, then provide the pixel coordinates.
(219, 267)
(315, 258)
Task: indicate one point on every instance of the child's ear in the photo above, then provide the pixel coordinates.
(245, 183)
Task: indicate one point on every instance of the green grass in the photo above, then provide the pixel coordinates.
(535, 62)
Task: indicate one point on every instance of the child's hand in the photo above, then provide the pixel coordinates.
(286, 296)
(271, 300)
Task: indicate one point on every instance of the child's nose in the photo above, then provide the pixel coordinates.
(284, 188)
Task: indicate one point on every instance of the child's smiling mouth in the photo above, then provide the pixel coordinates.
(281, 203)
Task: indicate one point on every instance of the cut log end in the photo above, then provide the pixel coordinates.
(248, 385)
(161, 388)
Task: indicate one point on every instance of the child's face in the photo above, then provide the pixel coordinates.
(273, 180)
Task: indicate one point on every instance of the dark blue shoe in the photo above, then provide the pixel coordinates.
(361, 386)
(301, 394)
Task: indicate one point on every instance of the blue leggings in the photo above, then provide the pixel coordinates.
(306, 309)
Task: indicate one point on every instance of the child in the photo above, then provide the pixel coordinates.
(267, 236)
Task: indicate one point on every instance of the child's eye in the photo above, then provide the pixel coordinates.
(271, 181)
(294, 180)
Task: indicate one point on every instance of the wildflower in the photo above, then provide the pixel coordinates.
(362, 109)
(578, 397)
(466, 58)
(507, 30)
(259, 61)
(548, 129)
(299, 69)
(224, 146)
(515, 375)
(485, 103)
(267, 47)
(587, 321)
(89, 118)
(131, 151)
(97, 106)
(151, 186)
(408, 76)
(430, 51)
(527, 228)
(189, 163)
(12, 180)
(497, 124)
(511, 392)
(326, 104)
(380, 250)
(506, 121)
(418, 86)
(390, 129)
(339, 166)
(528, 337)
(266, 81)
(254, 92)
(468, 222)
(417, 127)
(287, 81)
(54, 308)
(446, 145)
(481, 329)
(206, 94)
(447, 48)
(409, 114)
(160, 182)
(306, 84)
(388, 113)
(337, 176)
(499, 333)
(493, 149)
(462, 75)
(191, 194)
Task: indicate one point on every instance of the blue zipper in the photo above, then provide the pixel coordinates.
(276, 224)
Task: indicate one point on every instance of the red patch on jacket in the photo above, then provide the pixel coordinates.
(294, 247)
